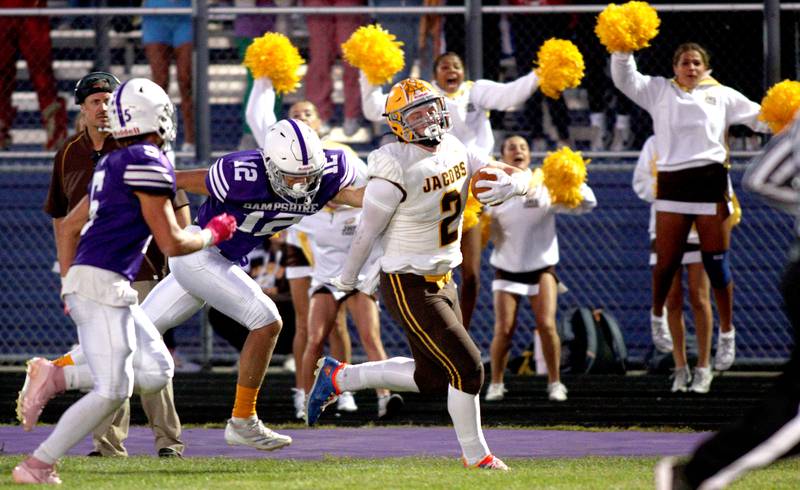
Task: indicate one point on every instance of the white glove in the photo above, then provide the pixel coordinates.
(341, 285)
(501, 189)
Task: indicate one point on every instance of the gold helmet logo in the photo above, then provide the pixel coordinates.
(410, 94)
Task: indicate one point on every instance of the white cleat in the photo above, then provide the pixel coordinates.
(659, 329)
(253, 433)
(701, 382)
(299, 401)
(557, 392)
(495, 392)
(346, 402)
(681, 379)
(726, 351)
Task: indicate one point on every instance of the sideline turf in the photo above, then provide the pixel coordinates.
(343, 473)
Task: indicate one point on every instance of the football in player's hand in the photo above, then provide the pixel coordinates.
(480, 176)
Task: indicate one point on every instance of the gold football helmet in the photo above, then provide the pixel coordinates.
(416, 112)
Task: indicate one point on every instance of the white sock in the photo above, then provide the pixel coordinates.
(396, 374)
(728, 335)
(465, 412)
(78, 377)
(75, 424)
(77, 356)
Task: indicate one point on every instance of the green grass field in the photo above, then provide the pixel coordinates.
(356, 474)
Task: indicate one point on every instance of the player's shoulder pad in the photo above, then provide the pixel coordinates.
(147, 167)
(384, 164)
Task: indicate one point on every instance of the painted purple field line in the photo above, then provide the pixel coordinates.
(393, 442)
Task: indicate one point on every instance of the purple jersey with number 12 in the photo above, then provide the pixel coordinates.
(116, 235)
(238, 185)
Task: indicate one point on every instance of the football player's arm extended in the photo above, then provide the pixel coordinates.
(170, 238)
(381, 199)
(351, 196)
(68, 232)
(193, 181)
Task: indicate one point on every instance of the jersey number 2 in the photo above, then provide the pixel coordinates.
(451, 210)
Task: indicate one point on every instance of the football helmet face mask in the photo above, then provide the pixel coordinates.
(416, 112)
(139, 106)
(294, 159)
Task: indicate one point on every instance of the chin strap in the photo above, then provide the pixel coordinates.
(429, 142)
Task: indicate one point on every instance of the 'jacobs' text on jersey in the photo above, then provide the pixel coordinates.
(446, 178)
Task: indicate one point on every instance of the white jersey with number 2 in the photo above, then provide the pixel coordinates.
(424, 235)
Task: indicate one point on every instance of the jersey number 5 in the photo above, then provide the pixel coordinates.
(451, 212)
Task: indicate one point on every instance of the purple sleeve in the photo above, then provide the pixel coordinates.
(217, 181)
(150, 172)
(347, 171)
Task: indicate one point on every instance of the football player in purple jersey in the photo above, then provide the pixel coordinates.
(267, 191)
(128, 204)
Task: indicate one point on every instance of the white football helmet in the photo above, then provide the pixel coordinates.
(294, 159)
(140, 106)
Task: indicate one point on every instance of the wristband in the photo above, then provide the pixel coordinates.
(207, 237)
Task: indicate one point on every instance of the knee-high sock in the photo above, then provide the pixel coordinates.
(78, 377)
(76, 423)
(396, 374)
(77, 355)
(465, 411)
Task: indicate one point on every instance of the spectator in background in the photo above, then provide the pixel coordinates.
(30, 37)
(456, 34)
(168, 37)
(72, 172)
(326, 35)
(523, 230)
(247, 27)
(691, 115)
(299, 260)
(768, 431)
(528, 34)
(604, 99)
(644, 184)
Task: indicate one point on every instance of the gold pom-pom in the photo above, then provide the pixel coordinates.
(627, 27)
(564, 173)
(472, 211)
(560, 66)
(376, 52)
(780, 104)
(275, 57)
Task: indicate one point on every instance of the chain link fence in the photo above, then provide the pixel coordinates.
(604, 257)
(604, 254)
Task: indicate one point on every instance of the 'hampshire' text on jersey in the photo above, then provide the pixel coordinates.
(238, 185)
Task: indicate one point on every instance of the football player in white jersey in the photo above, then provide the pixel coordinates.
(413, 202)
(468, 103)
(523, 230)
